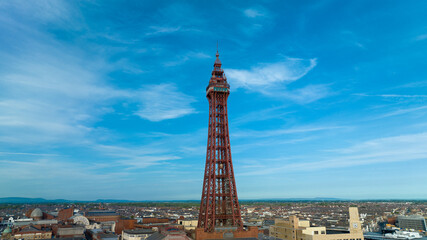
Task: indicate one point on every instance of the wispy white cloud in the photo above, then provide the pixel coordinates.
(381, 150)
(272, 80)
(400, 112)
(183, 58)
(253, 13)
(421, 37)
(49, 174)
(54, 92)
(271, 142)
(136, 157)
(392, 95)
(176, 18)
(50, 92)
(26, 153)
(261, 115)
(286, 71)
(278, 132)
(416, 84)
(164, 101)
(147, 161)
(43, 10)
(155, 30)
(353, 39)
(42, 99)
(306, 94)
(258, 19)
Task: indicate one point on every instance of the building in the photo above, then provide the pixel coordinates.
(106, 236)
(65, 214)
(37, 214)
(296, 229)
(124, 224)
(30, 232)
(169, 233)
(80, 220)
(136, 234)
(189, 224)
(100, 234)
(102, 216)
(70, 232)
(37, 223)
(219, 215)
(7, 233)
(148, 220)
(411, 222)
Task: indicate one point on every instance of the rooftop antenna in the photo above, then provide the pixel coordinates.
(216, 45)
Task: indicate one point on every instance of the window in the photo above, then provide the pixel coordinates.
(316, 232)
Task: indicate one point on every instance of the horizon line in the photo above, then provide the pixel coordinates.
(291, 199)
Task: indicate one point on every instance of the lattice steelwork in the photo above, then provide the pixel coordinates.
(219, 206)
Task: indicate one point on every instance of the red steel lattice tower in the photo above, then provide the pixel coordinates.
(219, 206)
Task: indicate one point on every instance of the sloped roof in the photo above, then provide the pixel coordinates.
(156, 236)
(30, 229)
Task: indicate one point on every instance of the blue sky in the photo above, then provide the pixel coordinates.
(106, 99)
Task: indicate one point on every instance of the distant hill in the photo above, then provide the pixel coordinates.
(22, 200)
(29, 200)
(42, 200)
(317, 199)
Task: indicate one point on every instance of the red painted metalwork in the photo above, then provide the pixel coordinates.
(219, 206)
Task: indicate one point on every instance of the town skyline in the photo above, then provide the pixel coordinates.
(107, 100)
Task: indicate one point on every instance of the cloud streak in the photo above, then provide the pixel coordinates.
(252, 13)
(272, 80)
(278, 132)
(392, 95)
(50, 92)
(381, 150)
(285, 71)
(162, 102)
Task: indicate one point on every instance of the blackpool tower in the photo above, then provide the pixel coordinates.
(219, 207)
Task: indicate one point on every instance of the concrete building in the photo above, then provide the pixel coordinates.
(38, 223)
(70, 232)
(189, 224)
(411, 222)
(136, 234)
(296, 229)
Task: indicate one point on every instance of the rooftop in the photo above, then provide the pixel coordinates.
(101, 213)
(139, 231)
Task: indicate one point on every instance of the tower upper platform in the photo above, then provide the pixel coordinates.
(218, 81)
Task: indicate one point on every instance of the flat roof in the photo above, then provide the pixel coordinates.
(139, 231)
